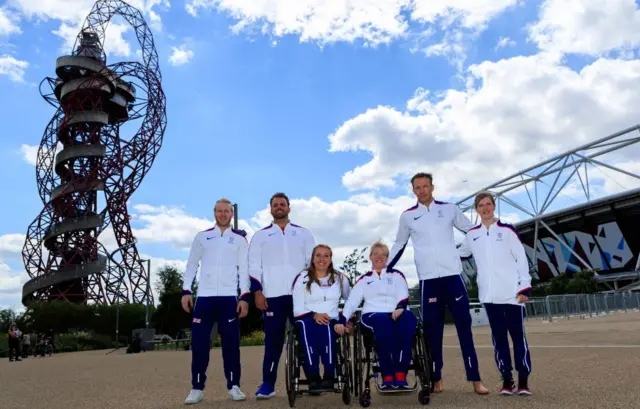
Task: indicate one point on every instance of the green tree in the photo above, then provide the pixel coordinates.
(169, 317)
(8, 315)
(352, 262)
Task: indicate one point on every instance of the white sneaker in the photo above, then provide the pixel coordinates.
(195, 396)
(236, 394)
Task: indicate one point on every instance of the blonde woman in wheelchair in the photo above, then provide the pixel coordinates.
(385, 314)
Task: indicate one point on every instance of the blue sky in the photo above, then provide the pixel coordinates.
(332, 110)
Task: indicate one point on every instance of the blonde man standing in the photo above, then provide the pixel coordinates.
(221, 252)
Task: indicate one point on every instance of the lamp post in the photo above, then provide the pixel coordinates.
(146, 292)
(111, 260)
(235, 216)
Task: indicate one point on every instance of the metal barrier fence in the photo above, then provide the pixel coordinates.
(581, 305)
(569, 305)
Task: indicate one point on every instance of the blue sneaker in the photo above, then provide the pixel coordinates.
(265, 391)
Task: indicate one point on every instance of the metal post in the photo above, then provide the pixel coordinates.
(147, 291)
(235, 216)
(110, 257)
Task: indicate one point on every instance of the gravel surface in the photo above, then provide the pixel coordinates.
(577, 363)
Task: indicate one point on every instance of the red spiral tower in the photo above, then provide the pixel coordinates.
(85, 153)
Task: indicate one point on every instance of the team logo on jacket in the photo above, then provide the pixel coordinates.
(293, 233)
(440, 213)
(389, 280)
(499, 236)
(196, 320)
(231, 240)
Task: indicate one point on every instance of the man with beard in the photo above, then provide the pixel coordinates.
(221, 252)
(277, 254)
(430, 225)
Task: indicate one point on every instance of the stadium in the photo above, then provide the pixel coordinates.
(598, 234)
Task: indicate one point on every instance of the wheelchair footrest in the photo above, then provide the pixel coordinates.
(396, 391)
(318, 391)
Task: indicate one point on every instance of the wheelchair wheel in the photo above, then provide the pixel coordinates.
(424, 367)
(291, 367)
(347, 384)
(358, 367)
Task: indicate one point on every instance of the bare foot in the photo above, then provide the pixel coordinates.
(439, 386)
(480, 388)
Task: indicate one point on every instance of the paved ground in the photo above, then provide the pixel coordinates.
(590, 363)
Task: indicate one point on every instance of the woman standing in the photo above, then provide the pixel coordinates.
(316, 296)
(504, 285)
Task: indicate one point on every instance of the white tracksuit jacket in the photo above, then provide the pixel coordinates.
(431, 232)
(384, 292)
(321, 299)
(503, 269)
(276, 257)
(223, 264)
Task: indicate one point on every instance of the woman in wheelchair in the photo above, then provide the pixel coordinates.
(316, 297)
(385, 314)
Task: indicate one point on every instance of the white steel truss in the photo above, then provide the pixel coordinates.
(552, 177)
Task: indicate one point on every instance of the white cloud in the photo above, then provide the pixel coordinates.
(30, 153)
(10, 287)
(373, 22)
(13, 68)
(8, 23)
(11, 245)
(471, 13)
(180, 55)
(72, 13)
(504, 42)
(114, 43)
(591, 27)
(344, 225)
(167, 224)
(522, 107)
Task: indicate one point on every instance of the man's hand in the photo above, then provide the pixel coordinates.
(397, 313)
(522, 298)
(187, 302)
(261, 301)
(321, 319)
(243, 308)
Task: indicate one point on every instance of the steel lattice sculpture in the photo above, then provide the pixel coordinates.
(62, 253)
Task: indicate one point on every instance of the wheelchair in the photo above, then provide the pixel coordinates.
(343, 381)
(367, 366)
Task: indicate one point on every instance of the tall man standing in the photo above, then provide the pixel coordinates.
(277, 254)
(221, 252)
(430, 225)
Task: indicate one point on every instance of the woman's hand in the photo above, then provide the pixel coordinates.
(349, 327)
(321, 319)
(397, 313)
(341, 329)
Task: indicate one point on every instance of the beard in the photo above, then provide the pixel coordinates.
(280, 215)
(223, 224)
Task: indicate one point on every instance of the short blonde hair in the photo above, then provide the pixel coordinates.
(225, 201)
(379, 245)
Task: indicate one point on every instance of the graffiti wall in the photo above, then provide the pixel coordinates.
(608, 240)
